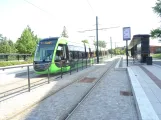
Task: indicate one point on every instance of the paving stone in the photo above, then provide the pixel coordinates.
(151, 96)
(57, 106)
(157, 107)
(106, 103)
(159, 115)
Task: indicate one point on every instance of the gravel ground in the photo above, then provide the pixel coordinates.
(106, 103)
(57, 107)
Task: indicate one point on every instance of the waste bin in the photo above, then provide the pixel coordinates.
(149, 60)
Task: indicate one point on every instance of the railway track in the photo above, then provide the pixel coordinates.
(20, 86)
(74, 109)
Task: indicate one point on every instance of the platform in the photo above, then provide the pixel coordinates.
(108, 100)
(146, 86)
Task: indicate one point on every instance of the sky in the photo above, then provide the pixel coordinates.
(47, 18)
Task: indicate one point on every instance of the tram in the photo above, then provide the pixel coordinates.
(51, 52)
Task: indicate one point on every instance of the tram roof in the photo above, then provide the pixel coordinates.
(136, 39)
(49, 38)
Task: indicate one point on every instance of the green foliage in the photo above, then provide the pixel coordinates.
(64, 33)
(156, 33)
(1, 37)
(10, 63)
(26, 44)
(101, 43)
(85, 41)
(6, 46)
(117, 51)
(156, 56)
(157, 7)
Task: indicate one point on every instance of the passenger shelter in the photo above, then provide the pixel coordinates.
(139, 47)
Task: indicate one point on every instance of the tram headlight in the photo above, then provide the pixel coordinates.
(41, 66)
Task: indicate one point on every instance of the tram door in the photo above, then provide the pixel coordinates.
(62, 53)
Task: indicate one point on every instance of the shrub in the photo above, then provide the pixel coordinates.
(10, 63)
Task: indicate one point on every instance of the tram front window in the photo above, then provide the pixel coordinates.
(44, 52)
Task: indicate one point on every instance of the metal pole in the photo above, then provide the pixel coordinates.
(48, 76)
(77, 65)
(82, 63)
(61, 70)
(70, 68)
(28, 74)
(111, 46)
(127, 52)
(133, 51)
(97, 39)
(86, 62)
(115, 48)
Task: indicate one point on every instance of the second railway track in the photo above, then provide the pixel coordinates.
(65, 86)
(74, 109)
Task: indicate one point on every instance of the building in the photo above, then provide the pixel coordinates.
(155, 49)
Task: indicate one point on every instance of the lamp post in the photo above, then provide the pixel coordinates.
(97, 39)
(97, 35)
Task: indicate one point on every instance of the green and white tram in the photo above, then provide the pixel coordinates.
(52, 52)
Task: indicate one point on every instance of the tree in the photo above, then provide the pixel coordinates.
(6, 46)
(156, 33)
(12, 46)
(101, 43)
(1, 37)
(27, 42)
(157, 8)
(85, 41)
(64, 33)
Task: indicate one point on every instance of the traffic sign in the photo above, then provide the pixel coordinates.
(126, 33)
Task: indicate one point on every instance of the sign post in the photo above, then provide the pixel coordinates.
(126, 36)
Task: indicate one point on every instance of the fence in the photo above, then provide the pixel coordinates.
(14, 56)
(80, 64)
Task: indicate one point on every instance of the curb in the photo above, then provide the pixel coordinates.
(144, 107)
(157, 65)
(117, 67)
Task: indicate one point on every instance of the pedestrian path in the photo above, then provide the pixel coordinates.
(146, 86)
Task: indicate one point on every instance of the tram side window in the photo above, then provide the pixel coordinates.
(71, 52)
(83, 55)
(75, 54)
(61, 53)
(80, 55)
(71, 56)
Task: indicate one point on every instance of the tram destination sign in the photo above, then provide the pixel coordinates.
(126, 33)
(46, 42)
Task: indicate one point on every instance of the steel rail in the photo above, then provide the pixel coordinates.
(52, 93)
(89, 92)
